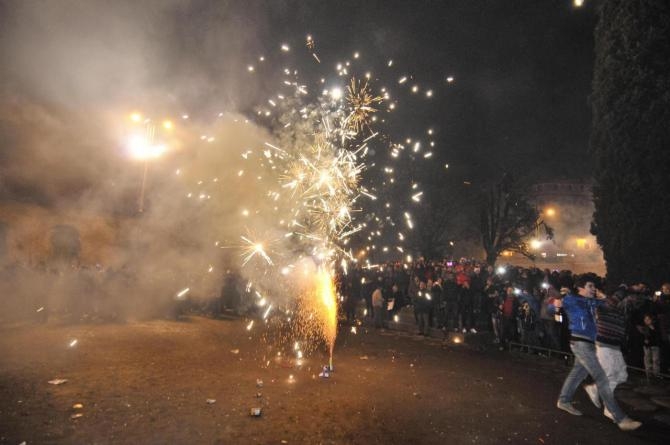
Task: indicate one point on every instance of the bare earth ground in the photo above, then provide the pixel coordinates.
(148, 383)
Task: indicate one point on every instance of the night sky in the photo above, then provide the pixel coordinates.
(519, 101)
(522, 68)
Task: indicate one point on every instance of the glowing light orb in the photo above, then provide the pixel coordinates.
(140, 148)
(336, 93)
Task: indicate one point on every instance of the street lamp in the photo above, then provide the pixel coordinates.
(142, 146)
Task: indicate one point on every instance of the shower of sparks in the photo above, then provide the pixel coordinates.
(310, 174)
(360, 101)
(253, 248)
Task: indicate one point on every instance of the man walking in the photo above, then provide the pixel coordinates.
(580, 309)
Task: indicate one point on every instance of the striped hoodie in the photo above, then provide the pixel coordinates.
(610, 325)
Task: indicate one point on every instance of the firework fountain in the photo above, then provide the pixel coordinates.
(318, 162)
(306, 196)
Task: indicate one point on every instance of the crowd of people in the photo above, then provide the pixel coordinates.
(606, 329)
(515, 304)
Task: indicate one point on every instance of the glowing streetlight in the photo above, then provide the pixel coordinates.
(550, 211)
(141, 146)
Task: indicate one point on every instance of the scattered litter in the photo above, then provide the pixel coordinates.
(259, 383)
(283, 441)
(255, 412)
(24, 443)
(73, 343)
(235, 351)
(77, 406)
(211, 401)
(39, 310)
(259, 395)
(363, 357)
(57, 381)
(76, 416)
(325, 373)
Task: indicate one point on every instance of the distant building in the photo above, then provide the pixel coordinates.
(567, 207)
(569, 192)
(34, 235)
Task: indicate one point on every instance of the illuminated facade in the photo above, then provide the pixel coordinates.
(567, 207)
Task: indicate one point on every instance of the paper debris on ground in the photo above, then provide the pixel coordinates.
(57, 381)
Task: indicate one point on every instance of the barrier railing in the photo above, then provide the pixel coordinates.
(570, 356)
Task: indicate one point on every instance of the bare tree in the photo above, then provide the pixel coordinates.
(508, 221)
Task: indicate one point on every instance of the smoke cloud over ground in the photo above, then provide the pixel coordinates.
(72, 72)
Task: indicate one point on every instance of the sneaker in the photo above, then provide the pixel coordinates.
(568, 408)
(473, 330)
(592, 391)
(628, 424)
(465, 331)
(608, 414)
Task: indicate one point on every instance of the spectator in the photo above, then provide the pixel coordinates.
(509, 309)
(528, 324)
(422, 307)
(438, 302)
(378, 305)
(396, 300)
(466, 299)
(662, 308)
(351, 299)
(548, 318)
(477, 285)
(652, 341)
(494, 303)
(450, 297)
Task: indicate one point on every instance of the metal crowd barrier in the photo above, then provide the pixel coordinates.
(569, 355)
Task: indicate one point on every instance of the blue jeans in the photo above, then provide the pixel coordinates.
(586, 363)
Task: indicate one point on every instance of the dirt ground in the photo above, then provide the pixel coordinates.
(149, 383)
